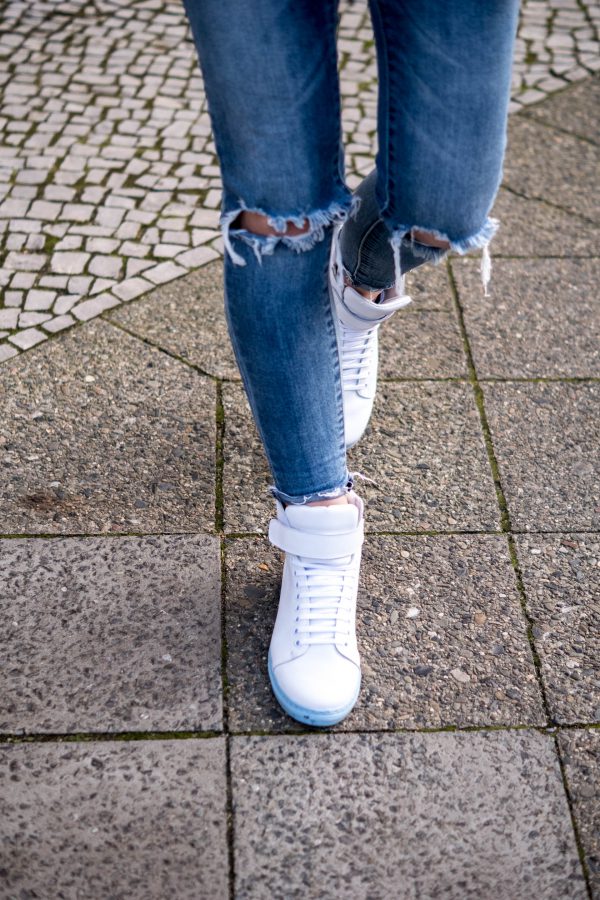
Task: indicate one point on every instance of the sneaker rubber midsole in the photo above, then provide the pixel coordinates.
(309, 716)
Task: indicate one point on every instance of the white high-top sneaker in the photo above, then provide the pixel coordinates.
(314, 665)
(358, 321)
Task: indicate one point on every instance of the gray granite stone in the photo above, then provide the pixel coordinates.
(541, 318)
(140, 820)
(575, 109)
(581, 755)
(421, 344)
(442, 640)
(424, 449)
(534, 228)
(561, 574)
(569, 172)
(111, 634)
(100, 433)
(186, 318)
(407, 815)
(546, 439)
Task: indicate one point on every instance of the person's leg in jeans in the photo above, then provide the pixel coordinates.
(444, 81)
(271, 82)
(444, 88)
(270, 72)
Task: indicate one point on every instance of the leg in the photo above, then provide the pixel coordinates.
(270, 73)
(271, 79)
(444, 88)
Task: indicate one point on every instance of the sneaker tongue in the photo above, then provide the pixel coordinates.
(323, 519)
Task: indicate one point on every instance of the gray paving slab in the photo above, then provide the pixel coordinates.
(544, 163)
(186, 318)
(424, 449)
(442, 638)
(561, 575)
(100, 432)
(421, 344)
(581, 755)
(138, 820)
(111, 634)
(429, 287)
(546, 438)
(541, 318)
(574, 109)
(534, 228)
(406, 816)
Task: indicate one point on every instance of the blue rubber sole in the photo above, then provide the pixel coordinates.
(309, 716)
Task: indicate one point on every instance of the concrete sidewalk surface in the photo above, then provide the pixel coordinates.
(142, 753)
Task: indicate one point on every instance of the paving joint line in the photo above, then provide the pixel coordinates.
(578, 841)
(246, 535)
(570, 212)
(230, 823)
(135, 736)
(550, 125)
(519, 578)
(500, 495)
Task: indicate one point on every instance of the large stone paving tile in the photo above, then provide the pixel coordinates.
(440, 629)
(421, 344)
(581, 754)
(187, 318)
(424, 449)
(111, 634)
(541, 318)
(416, 816)
(544, 163)
(429, 287)
(562, 579)
(546, 438)
(534, 228)
(575, 109)
(246, 476)
(99, 432)
(140, 820)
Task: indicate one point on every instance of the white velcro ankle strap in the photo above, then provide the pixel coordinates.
(315, 546)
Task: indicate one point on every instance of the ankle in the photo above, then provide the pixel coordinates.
(336, 501)
(364, 291)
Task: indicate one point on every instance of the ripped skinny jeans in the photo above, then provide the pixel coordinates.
(271, 80)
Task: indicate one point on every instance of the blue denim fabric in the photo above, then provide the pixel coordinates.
(270, 73)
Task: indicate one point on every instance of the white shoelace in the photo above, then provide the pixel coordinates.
(324, 601)
(357, 357)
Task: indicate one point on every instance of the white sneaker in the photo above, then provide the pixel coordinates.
(358, 321)
(314, 665)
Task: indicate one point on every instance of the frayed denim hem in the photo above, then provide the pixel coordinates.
(315, 496)
(264, 245)
(404, 235)
(302, 499)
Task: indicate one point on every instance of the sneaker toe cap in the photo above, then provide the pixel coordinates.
(320, 682)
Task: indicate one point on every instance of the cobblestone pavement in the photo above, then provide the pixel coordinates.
(142, 754)
(109, 183)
